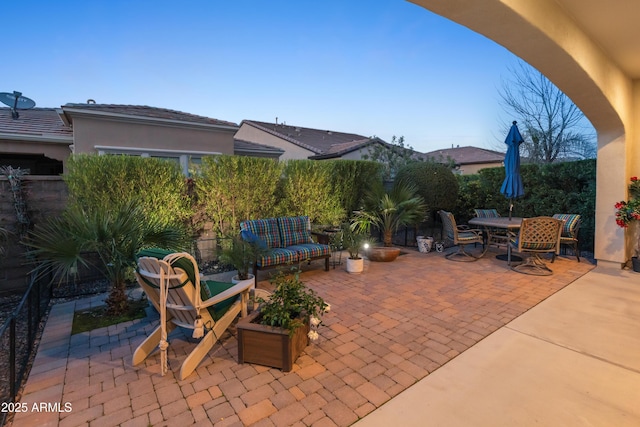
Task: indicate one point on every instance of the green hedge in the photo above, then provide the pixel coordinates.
(110, 182)
(234, 188)
(568, 187)
(435, 182)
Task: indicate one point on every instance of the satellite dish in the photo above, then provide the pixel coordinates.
(16, 101)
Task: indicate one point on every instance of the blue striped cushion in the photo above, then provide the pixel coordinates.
(311, 250)
(293, 230)
(486, 213)
(265, 229)
(535, 246)
(570, 221)
(277, 256)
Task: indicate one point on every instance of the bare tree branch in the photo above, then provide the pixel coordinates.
(551, 124)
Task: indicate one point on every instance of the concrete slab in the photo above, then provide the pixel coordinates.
(511, 379)
(599, 315)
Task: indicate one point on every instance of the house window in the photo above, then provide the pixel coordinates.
(184, 158)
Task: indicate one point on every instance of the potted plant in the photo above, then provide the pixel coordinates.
(241, 253)
(627, 213)
(353, 241)
(388, 211)
(281, 328)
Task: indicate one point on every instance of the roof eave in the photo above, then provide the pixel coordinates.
(81, 112)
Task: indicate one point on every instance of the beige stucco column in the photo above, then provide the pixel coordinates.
(542, 34)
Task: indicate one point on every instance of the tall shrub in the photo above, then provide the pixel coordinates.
(306, 189)
(156, 186)
(434, 182)
(351, 179)
(235, 188)
(568, 187)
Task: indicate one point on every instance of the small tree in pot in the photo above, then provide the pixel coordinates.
(241, 253)
(353, 240)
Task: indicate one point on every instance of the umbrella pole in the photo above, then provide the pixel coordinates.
(510, 208)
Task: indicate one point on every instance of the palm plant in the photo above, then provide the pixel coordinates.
(388, 211)
(65, 242)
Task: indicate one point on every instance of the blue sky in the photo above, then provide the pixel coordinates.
(369, 67)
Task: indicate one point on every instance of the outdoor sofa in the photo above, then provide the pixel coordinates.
(288, 240)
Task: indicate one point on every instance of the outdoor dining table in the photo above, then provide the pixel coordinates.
(503, 222)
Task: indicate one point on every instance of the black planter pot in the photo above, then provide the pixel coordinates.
(635, 264)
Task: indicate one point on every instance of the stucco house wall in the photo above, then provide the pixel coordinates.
(93, 134)
(258, 136)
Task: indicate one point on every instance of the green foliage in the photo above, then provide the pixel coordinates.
(116, 236)
(156, 186)
(236, 188)
(290, 303)
(434, 182)
(388, 211)
(568, 187)
(306, 189)
(352, 239)
(351, 179)
(99, 317)
(241, 254)
(392, 156)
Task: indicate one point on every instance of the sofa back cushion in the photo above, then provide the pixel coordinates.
(294, 230)
(266, 230)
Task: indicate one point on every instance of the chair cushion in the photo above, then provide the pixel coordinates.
(182, 263)
(311, 250)
(265, 229)
(486, 213)
(467, 236)
(570, 222)
(211, 288)
(277, 256)
(294, 231)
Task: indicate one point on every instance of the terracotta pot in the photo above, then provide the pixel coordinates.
(383, 254)
(269, 346)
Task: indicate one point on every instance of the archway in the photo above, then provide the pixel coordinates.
(542, 34)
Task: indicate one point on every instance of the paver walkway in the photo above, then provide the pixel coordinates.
(388, 328)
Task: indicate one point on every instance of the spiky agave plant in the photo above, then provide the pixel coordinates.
(63, 243)
(388, 211)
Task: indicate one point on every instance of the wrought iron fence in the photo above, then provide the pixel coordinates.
(18, 336)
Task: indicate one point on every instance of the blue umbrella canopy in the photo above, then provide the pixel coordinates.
(512, 186)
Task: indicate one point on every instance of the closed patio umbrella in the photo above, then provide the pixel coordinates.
(512, 187)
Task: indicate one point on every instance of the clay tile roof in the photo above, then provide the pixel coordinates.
(146, 111)
(467, 155)
(316, 140)
(36, 122)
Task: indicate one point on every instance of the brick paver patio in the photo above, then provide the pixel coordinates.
(388, 328)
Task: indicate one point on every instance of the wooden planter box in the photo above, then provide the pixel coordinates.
(268, 346)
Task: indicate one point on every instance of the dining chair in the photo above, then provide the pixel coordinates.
(536, 236)
(495, 236)
(570, 230)
(461, 237)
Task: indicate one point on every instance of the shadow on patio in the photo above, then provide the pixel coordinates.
(388, 328)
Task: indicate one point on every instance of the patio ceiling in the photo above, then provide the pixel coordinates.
(613, 25)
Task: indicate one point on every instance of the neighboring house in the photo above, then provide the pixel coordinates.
(468, 160)
(306, 143)
(41, 139)
(37, 141)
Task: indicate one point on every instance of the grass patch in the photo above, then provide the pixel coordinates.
(95, 318)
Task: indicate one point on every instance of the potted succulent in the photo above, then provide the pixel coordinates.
(628, 213)
(353, 241)
(276, 333)
(241, 253)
